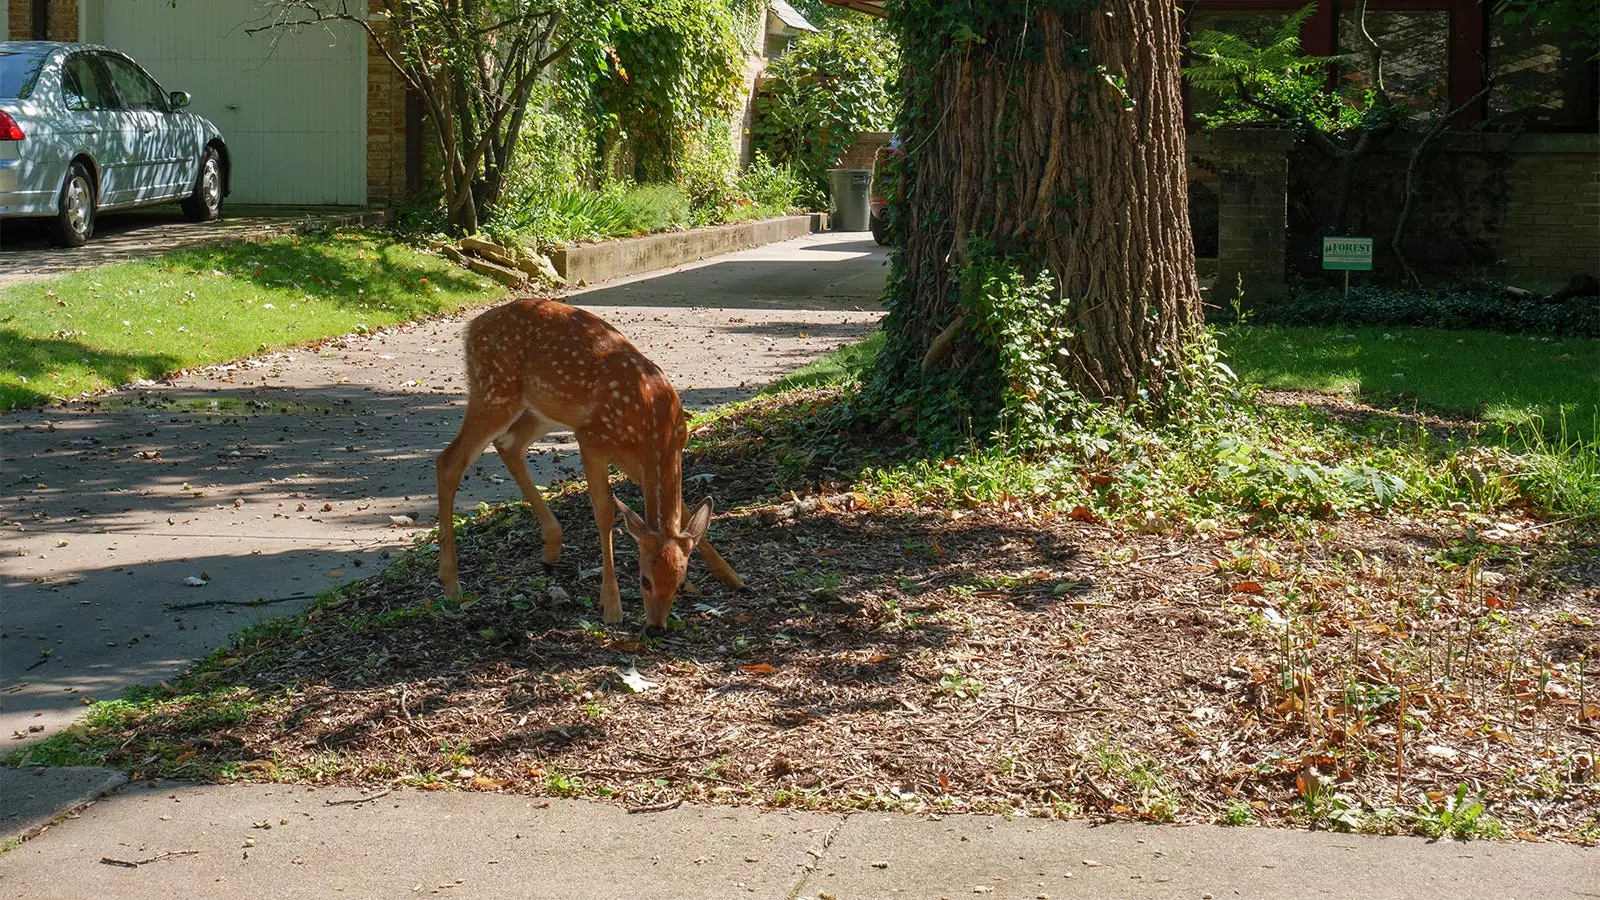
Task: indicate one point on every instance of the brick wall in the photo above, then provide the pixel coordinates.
(861, 153)
(386, 127)
(1523, 208)
(1252, 174)
(19, 14)
(63, 20)
(1550, 228)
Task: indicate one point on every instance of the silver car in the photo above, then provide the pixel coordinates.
(84, 129)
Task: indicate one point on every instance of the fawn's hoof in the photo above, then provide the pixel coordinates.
(655, 631)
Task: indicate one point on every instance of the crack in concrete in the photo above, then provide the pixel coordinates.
(816, 857)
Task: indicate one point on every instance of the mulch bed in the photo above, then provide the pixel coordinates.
(930, 660)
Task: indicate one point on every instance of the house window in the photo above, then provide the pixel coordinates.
(1541, 79)
(1416, 61)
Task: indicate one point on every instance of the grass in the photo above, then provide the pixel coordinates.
(1244, 463)
(1505, 379)
(97, 329)
(837, 367)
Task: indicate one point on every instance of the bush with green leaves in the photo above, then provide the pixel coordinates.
(1455, 308)
(776, 189)
(814, 101)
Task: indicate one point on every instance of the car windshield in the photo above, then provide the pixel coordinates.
(18, 71)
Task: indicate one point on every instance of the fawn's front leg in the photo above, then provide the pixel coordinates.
(513, 449)
(598, 472)
(719, 567)
(482, 423)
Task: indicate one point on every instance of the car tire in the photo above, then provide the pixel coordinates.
(205, 204)
(74, 221)
(880, 231)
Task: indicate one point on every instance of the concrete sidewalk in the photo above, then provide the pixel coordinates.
(276, 478)
(276, 841)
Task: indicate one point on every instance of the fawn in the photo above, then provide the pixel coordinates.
(533, 365)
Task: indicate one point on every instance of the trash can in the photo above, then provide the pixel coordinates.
(852, 199)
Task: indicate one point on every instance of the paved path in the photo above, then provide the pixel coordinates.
(288, 485)
(26, 253)
(466, 845)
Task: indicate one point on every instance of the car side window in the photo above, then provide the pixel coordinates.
(138, 90)
(82, 85)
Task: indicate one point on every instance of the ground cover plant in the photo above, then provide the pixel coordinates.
(1295, 610)
(100, 328)
(1472, 307)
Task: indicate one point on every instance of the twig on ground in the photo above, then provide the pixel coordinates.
(354, 800)
(134, 864)
(657, 807)
(205, 604)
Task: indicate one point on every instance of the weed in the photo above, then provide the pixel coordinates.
(1460, 816)
(959, 684)
(1238, 813)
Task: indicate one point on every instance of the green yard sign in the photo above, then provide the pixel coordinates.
(1347, 253)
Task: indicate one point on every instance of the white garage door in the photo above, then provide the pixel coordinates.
(292, 106)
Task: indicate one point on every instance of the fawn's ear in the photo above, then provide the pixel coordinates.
(700, 521)
(635, 525)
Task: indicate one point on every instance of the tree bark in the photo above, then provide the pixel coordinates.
(1056, 139)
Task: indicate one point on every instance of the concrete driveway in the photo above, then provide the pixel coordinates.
(276, 478)
(26, 252)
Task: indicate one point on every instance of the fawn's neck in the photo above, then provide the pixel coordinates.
(662, 466)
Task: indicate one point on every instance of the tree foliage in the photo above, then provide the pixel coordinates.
(1580, 18)
(660, 75)
(1268, 81)
(831, 86)
(474, 63)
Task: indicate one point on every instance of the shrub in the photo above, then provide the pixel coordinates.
(776, 189)
(649, 208)
(1451, 308)
(830, 87)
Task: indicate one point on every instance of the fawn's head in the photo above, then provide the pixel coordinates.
(663, 560)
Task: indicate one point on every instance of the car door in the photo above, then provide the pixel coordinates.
(141, 114)
(93, 126)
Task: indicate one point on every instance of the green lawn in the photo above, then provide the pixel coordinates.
(104, 327)
(1501, 378)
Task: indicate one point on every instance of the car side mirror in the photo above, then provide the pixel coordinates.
(179, 99)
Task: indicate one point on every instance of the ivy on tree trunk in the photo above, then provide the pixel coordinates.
(1042, 143)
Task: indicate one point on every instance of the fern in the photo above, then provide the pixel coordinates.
(1272, 82)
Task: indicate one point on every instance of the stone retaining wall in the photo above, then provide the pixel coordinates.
(594, 263)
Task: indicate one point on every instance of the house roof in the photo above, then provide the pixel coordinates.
(870, 7)
(790, 16)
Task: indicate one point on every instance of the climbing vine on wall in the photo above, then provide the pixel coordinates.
(662, 75)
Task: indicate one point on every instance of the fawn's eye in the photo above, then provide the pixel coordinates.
(644, 582)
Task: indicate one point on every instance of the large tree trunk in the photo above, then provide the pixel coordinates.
(1052, 141)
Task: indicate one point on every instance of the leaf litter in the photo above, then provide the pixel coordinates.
(1358, 676)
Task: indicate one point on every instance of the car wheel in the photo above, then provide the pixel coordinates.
(74, 220)
(880, 231)
(205, 204)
